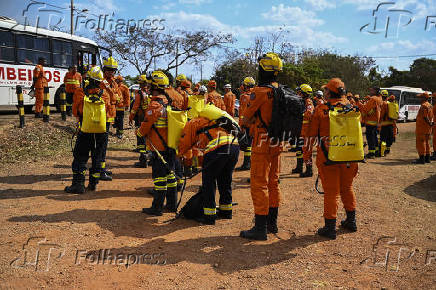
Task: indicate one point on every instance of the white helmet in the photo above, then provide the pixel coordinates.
(228, 86)
(319, 93)
(202, 89)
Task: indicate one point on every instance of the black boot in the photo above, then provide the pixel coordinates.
(299, 168)
(370, 155)
(92, 185)
(329, 230)
(142, 163)
(206, 219)
(272, 220)
(157, 205)
(245, 165)
(78, 185)
(224, 214)
(105, 175)
(350, 222)
(421, 160)
(258, 232)
(308, 172)
(433, 157)
(427, 158)
(38, 115)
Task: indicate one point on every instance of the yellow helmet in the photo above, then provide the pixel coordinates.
(305, 88)
(271, 62)
(143, 79)
(384, 93)
(96, 74)
(249, 81)
(110, 63)
(159, 79)
(181, 77)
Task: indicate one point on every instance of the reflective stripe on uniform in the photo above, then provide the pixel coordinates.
(226, 206)
(103, 165)
(373, 123)
(209, 211)
(160, 179)
(385, 123)
(171, 180)
(161, 123)
(305, 122)
(72, 82)
(218, 142)
(96, 175)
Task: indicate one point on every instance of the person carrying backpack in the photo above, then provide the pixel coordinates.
(155, 128)
(221, 152)
(387, 126)
(336, 178)
(89, 107)
(265, 158)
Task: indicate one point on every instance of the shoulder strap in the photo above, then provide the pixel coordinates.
(160, 137)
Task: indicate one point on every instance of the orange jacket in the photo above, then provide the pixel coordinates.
(244, 98)
(318, 101)
(79, 96)
(72, 82)
(260, 100)
(434, 112)
(216, 99)
(371, 111)
(179, 101)
(38, 73)
(190, 138)
(140, 104)
(155, 115)
(111, 87)
(425, 115)
(229, 102)
(320, 128)
(307, 116)
(125, 94)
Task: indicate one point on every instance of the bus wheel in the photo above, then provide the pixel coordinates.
(57, 100)
(28, 109)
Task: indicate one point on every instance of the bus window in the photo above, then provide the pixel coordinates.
(31, 48)
(62, 53)
(7, 46)
(408, 98)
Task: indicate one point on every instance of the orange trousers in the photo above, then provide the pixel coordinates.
(39, 100)
(264, 174)
(337, 180)
(423, 144)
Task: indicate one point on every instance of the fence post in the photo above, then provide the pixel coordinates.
(46, 104)
(20, 106)
(63, 105)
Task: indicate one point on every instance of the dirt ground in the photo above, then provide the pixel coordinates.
(50, 239)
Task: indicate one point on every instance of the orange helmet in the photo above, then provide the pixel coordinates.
(336, 86)
(425, 95)
(212, 84)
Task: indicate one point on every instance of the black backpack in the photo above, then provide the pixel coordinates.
(193, 208)
(287, 115)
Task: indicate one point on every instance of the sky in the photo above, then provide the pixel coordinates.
(349, 27)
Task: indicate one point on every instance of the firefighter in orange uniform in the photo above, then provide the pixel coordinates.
(336, 179)
(318, 98)
(121, 106)
(39, 83)
(229, 100)
(424, 124)
(305, 92)
(155, 128)
(213, 97)
(244, 99)
(387, 126)
(88, 142)
(137, 114)
(265, 158)
(220, 157)
(371, 113)
(72, 81)
(109, 84)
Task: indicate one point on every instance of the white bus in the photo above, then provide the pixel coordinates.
(20, 48)
(408, 101)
